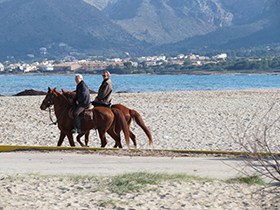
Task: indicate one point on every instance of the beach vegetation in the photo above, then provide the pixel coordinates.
(141, 180)
(250, 180)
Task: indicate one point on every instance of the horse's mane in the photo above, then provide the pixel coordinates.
(54, 90)
(68, 94)
(61, 95)
(71, 93)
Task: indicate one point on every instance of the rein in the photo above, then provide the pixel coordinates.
(60, 116)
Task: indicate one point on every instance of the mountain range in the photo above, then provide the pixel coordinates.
(57, 28)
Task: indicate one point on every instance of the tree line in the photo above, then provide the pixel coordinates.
(238, 65)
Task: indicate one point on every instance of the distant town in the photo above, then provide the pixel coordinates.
(179, 64)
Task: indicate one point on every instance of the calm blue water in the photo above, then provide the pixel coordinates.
(11, 85)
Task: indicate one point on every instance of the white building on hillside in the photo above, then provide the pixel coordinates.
(48, 67)
(221, 56)
(2, 67)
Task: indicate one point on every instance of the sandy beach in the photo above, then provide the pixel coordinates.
(66, 192)
(189, 120)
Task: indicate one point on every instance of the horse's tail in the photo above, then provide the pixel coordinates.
(138, 119)
(121, 121)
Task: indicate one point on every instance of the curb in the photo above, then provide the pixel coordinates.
(14, 148)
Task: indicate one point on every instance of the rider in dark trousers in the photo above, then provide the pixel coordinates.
(82, 101)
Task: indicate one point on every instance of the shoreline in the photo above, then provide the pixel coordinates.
(199, 72)
(33, 92)
(143, 83)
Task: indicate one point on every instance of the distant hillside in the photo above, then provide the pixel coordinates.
(99, 4)
(168, 21)
(245, 11)
(259, 28)
(196, 23)
(59, 26)
(54, 29)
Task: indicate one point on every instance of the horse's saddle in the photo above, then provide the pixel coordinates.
(87, 114)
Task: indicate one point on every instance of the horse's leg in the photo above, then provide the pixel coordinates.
(87, 138)
(102, 136)
(116, 137)
(131, 134)
(78, 138)
(121, 125)
(61, 138)
(70, 139)
(133, 138)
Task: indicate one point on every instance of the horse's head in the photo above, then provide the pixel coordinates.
(70, 96)
(49, 99)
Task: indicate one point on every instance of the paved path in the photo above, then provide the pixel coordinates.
(62, 163)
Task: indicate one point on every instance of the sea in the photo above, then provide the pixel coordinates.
(12, 84)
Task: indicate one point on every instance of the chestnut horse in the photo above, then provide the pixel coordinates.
(129, 114)
(104, 120)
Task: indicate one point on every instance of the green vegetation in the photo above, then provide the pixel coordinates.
(239, 65)
(133, 182)
(251, 180)
(180, 64)
(140, 180)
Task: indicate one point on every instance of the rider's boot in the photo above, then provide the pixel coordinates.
(77, 128)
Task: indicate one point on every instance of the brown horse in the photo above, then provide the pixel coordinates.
(104, 120)
(129, 114)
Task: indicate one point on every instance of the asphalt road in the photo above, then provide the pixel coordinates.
(73, 163)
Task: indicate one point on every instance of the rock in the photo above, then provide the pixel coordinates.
(30, 92)
(92, 91)
(122, 91)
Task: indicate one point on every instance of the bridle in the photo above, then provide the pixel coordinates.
(50, 115)
(50, 102)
